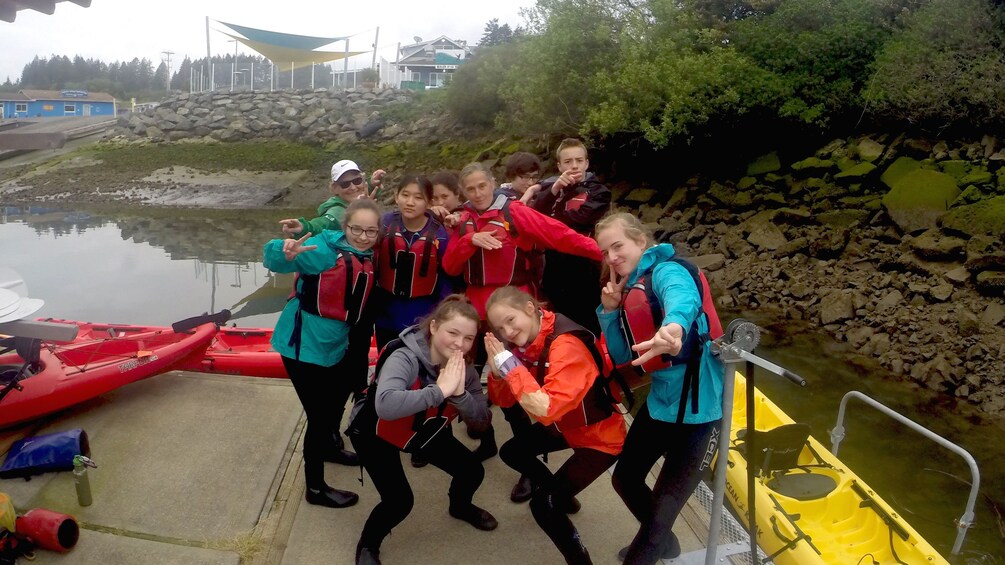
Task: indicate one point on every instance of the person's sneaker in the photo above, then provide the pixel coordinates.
(672, 550)
(418, 461)
(475, 516)
(522, 490)
(367, 556)
(332, 498)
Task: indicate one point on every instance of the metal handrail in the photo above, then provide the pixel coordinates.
(838, 434)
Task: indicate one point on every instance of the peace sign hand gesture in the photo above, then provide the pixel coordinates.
(668, 339)
(610, 295)
(376, 181)
(294, 247)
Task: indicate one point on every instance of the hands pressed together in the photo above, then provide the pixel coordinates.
(452, 375)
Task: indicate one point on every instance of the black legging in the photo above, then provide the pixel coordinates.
(581, 469)
(382, 462)
(684, 447)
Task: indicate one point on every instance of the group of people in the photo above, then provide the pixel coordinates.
(540, 283)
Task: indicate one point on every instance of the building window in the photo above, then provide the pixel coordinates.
(439, 79)
(18, 107)
(416, 76)
(69, 108)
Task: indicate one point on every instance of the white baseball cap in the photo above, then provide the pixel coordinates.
(343, 167)
(14, 307)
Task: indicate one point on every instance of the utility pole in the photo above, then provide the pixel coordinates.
(167, 59)
(233, 66)
(373, 64)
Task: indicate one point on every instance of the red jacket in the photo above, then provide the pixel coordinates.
(532, 228)
(571, 372)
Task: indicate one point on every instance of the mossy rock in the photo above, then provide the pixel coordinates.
(764, 164)
(814, 164)
(839, 219)
(970, 195)
(898, 169)
(725, 194)
(745, 183)
(984, 217)
(868, 150)
(955, 168)
(845, 163)
(919, 198)
(872, 203)
(978, 176)
(511, 148)
(857, 172)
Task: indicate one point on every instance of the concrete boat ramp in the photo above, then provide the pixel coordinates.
(197, 468)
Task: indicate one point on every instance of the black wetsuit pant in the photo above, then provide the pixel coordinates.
(323, 392)
(553, 491)
(382, 462)
(684, 447)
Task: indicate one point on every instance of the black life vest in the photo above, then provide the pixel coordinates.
(340, 293)
(642, 315)
(598, 404)
(411, 433)
(508, 265)
(408, 270)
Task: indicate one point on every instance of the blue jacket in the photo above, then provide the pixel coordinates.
(680, 300)
(324, 340)
(396, 313)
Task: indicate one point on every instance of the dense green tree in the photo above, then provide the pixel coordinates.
(483, 78)
(946, 67)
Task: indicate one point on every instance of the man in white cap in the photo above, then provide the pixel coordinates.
(347, 185)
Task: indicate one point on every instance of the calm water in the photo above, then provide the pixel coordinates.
(156, 266)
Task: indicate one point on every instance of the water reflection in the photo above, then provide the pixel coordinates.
(145, 266)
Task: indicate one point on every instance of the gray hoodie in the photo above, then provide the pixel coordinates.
(397, 399)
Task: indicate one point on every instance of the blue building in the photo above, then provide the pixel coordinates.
(432, 62)
(55, 103)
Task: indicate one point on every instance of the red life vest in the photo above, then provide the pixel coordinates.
(410, 433)
(642, 315)
(340, 293)
(508, 265)
(408, 270)
(598, 404)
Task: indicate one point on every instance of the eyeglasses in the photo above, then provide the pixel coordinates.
(345, 184)
(358, 231)
(531, 177)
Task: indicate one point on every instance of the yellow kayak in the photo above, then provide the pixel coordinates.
(810, 507)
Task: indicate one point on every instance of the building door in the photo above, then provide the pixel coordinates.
(87, 109)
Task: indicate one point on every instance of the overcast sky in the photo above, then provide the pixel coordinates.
(118, 30)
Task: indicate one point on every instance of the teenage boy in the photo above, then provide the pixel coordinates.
(579, 200)
(523, 170)
(347, 184)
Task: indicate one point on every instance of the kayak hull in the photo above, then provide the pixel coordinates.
(102, 358)
(840, 526)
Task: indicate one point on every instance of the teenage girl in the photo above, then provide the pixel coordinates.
(446, 191)
(684, 404)
(493, 247)
(552, 365)
(424, 371)
(312, 333)
(408, 260)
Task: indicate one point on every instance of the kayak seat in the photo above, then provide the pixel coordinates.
(778, 456)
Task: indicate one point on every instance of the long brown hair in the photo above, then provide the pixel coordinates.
(451, 306)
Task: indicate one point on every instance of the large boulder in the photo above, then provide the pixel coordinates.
(986, 217)
(920, 198)
(868, 150)
(898, 169)
(764, 164)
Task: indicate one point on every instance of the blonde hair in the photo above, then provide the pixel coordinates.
(451, 306)
(511, 296)
(631, 224)
(569, 143)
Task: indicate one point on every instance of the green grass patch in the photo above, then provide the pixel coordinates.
(212, 157)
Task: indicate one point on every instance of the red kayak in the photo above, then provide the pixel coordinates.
(102, 358)
(247, 352)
